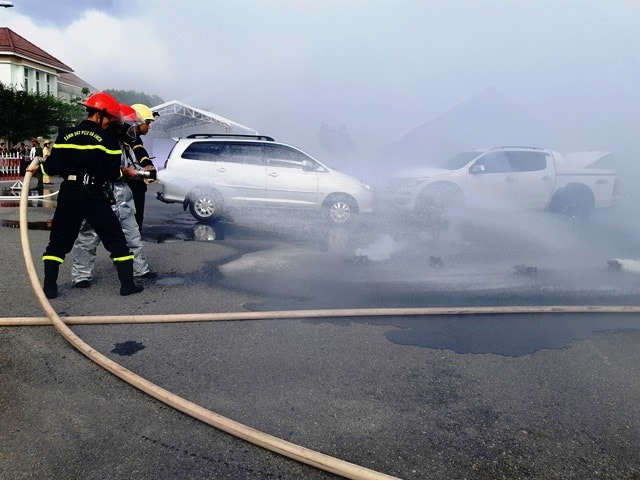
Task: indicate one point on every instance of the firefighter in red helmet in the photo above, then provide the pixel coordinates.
(87, 157)
(85, 247)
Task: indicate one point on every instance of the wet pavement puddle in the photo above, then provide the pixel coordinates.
(181, 233)
(508, 336)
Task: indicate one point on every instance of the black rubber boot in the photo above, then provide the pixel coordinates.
(125, 275)
(51, 269)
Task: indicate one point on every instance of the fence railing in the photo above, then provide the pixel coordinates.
(10, 166)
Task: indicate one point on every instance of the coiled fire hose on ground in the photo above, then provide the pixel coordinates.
(275, 444)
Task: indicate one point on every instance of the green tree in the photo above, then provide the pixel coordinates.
(336, 140)
(131, 96)
(24, 115)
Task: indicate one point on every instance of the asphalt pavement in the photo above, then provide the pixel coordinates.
(354, 389)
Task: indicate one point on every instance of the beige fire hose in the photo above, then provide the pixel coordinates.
(288, 449)
(322, 313)
(275, 444)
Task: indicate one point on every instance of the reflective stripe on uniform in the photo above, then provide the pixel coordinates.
(140, 160)
(53, 258)
(88, 147)
(123, 259)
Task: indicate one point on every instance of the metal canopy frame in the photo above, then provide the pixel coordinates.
(195, 116)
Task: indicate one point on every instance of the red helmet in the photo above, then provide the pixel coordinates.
(103, 102)
(128, 115)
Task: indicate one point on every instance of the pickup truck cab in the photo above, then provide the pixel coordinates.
(522, 177)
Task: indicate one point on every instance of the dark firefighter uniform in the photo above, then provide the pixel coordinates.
(86, 157)
(139, 186)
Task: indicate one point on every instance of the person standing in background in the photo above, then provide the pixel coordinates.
(46, 151)
(36, 152)
(23, 151)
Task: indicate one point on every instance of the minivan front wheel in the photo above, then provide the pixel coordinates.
(204, 207)
(339, 209)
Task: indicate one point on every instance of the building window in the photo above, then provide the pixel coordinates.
(48, 84)
(37, 81)
(26, 79)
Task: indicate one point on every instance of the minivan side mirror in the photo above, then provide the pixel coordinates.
(308, 166)
(476, 168)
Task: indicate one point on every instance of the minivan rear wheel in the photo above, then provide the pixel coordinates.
(204, 207)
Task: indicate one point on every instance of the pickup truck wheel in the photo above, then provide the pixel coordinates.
(573, 208)
(573, 202)
(205, 206)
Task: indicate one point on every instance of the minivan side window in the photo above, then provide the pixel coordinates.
(207, 151)
(242, 153)
(283, 156)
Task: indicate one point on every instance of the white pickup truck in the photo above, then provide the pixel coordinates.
(522, 177)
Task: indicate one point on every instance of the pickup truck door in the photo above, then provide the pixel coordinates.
(534, 174)
(491, 179)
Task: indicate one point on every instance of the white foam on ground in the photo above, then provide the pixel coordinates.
(265, 261)
(629, 265)
(382, 249)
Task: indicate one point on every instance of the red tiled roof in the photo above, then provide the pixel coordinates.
(11, 42)
(74, 80)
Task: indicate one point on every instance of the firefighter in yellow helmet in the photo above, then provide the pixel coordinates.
(139, 186)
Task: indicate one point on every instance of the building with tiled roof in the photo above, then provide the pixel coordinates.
(70, 85)
(25, 66)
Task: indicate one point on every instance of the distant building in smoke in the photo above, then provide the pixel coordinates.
(487, 119)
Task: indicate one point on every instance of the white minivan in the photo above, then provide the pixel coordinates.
(211, 173)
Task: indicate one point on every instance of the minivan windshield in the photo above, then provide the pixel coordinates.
(459, 160)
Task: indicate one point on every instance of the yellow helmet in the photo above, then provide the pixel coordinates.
(144, 112)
